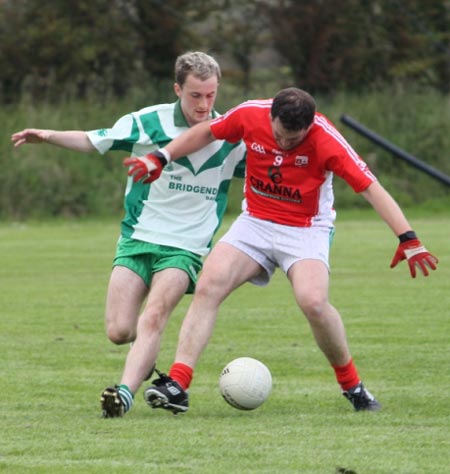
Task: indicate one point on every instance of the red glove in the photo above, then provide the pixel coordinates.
(149, 166)
(412, 250)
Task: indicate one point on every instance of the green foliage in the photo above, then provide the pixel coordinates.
(358, 44)
(165, 31)
(57, 49)
(64, 49)
(240, 32)
(60, 48)
(56, 360)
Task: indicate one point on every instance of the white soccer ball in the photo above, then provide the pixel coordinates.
(245, 383)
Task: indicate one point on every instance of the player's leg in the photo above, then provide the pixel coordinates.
(170, 273)
(225, 269)
(167, 288)
(310, 280)
(126, 293)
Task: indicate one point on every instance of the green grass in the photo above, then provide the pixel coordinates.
(56, 360)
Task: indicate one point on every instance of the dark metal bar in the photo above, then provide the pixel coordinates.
(412, 160)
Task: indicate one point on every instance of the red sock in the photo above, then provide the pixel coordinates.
(182, 374)
(347, 375)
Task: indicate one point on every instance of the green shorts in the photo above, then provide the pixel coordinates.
(145, 259)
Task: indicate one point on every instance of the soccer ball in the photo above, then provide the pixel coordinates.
(245, 383)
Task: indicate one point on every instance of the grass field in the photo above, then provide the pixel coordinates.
(56, 360)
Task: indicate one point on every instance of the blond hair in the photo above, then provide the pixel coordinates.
(199, 64)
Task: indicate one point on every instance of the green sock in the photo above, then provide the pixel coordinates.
(126, 396)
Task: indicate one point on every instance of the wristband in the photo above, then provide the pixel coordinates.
(410, 235)
(165, 153)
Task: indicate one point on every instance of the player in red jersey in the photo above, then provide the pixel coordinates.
(287, 222)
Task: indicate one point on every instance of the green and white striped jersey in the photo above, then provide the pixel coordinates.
(185, 206)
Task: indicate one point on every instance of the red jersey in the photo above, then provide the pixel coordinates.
(291, 187)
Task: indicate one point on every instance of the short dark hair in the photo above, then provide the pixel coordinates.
(294, 107)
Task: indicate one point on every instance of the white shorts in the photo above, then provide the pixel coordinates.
(274, 245)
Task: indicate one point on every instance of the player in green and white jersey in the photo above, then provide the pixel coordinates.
(196, 189)
(168, 225)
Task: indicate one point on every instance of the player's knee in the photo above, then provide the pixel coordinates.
(314, 306)
(119, 334)
(209, 288)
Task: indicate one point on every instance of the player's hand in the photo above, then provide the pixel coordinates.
(30, 135)
(416, 255)
(146, 168)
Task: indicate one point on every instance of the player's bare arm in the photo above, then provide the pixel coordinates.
(190, 141)
(410, 248)
(387, 208)
(71, 139)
